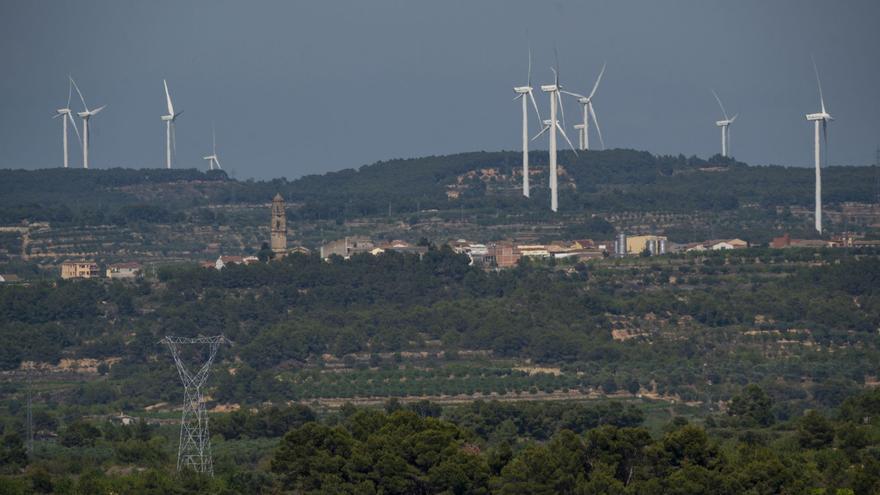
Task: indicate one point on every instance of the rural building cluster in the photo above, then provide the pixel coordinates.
(489, 254)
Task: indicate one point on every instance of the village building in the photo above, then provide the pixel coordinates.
(717, 245)
(301, 250)
(346, 247)
(224, 261)
(278, 227)
(637, 244)
(786, 241)
(502, 255)
(124, 270)
(533, 251)
(79, 269)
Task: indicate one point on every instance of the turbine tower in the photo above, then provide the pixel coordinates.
(212, 158)
(553, 125)
(85, 115)
(725, 127)
(588, 112)
(820, 120)
(194, 451)
(521, 93)
(170, 137)
(66, 114)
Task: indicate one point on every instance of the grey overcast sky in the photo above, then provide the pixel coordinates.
(307, 87)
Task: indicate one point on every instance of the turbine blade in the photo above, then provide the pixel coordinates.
(535, 105)
(561, 107)
(213, 140)
(540, 133)
(173, 138)
(69, 92)
(217, 162)
(75, 129)
(85, 107)
(95, 111)
(598, 80)
(596, 123)
(556, 57)
(825, 137)
(733, 118)
(517, 96)
(168, 98)
(819, 83)
(562, 131)
(529, 76)
(723, 112)
(569, 93)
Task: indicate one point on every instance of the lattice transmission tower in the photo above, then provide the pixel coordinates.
(195, 440)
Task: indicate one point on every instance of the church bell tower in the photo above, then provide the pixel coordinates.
(279, 226)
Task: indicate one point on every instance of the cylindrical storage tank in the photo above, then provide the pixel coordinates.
(662, 246)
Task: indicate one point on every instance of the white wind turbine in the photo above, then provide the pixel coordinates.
(524, 93)
(819, 119)
(85, 115)
(212, 158)
(170, 135)
(725, 127)
(553, 126)
(588, 112)
(66, 114)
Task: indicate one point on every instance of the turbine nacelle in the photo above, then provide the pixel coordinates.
(549, 88)
(579, 126)
(89, 113)
(522, 90)
(819, 116)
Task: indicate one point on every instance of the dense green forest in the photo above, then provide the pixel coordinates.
(479, 448)
(606, 181)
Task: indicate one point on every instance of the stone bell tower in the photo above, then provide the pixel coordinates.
(279, 226)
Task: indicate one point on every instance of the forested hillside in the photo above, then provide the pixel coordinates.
(594, 181)
(616, 325)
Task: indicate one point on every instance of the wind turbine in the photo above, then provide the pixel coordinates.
(588, 111)
(553, 126)
(66, 114)
(212, 158)
(521, 92)
(725, 127)
(819, 119)
(170, 135)
(85, 115)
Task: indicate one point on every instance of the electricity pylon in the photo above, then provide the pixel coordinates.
(195, 442)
